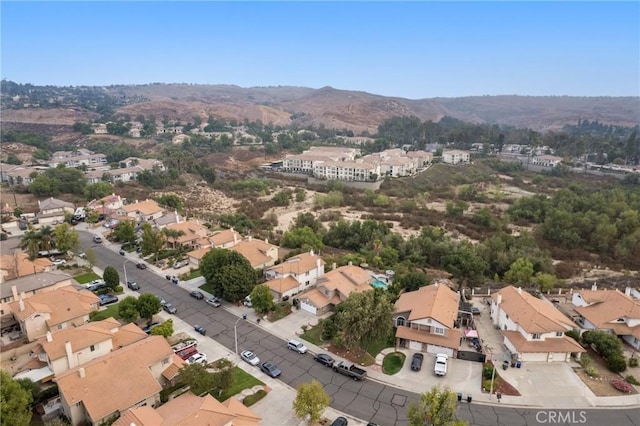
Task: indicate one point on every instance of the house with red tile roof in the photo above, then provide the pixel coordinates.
(189, 409)
(609, 310)
(294, 275)
(53, 310)
(108, 386)
(533, 329)
(141, 211)
(335, 287)
(425, 320)
(18, 265)
(259, 253)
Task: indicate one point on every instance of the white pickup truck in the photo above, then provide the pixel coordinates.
(440, 368)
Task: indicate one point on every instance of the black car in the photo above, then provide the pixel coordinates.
(107, 299)
(270, 369)
(324, 359)
(148, 328)
(196, 295)
(340, 421)
(416, 361)
(96, 287)
(122, 252)
(141, 265)
(133, 285)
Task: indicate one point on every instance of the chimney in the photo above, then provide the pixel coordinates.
(334, 266)
(21, 305)
(249, 238)
(498, 298)
(14, 292)
(70, 358)
(594, 287)
(627, 291)
(235, 237)
(81, 372)
(49, 336)
(318, 263)
(311, 252)
(266, 240)
(350, 263)
(519, 290)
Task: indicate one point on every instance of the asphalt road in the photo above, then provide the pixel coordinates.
(368, 399)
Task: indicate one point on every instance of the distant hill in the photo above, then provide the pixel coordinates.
(343, 109)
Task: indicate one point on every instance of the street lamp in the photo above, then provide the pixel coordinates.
(124, 268)
(235, 332)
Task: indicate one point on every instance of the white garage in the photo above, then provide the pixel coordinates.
(307, 307)
(435, 349)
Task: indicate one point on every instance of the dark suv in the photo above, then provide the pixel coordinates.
(416, 361)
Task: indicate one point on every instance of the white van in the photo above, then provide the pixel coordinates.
(247, 302)
(297, 346)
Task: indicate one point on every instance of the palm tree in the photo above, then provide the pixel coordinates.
(172, 236)
(46, 237)
(31, 242)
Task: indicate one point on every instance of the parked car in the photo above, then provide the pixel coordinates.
(250, 358)
(475, 311)
(270, 369)
(350, 370)
(141, 265)
(340, 421)
(440, 367)
(133, 285)
(168, 307)
(107, 299)
(416, 361)
(122, 252)
(148, 328)
(58, 262)
(198, 358)
(96, 287)
(180, 264)
(97, 239)
(214, 302)
(197, 294)
(325, 359)
(297, 346)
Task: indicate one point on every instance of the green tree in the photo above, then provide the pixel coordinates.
(111, 277)
(98, 190)
(125, 232)
(153, 241)
(456, 208)
(262, 298)
(229, 273)
(31, 242)
(67, 238)
(148, 305)
(520, 272)
(310, 402)
(304, 238)
(170, 200)
(128, 309)
(413, 281)
(544, 281)
(464, 264)
(282, 198)
(223, 378)
(435, 408)
(165, 329)
(13, 159)
(15, 402)
(197, 378)
(90, 257)
(364, 317)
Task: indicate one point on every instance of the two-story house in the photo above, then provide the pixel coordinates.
(107, 206)
(192, 235)
(188, 410)
(425, 320)
(335, 287)
(546, 160)
(71, 347)
(52, 210)
(106, 387)
(225, 239)
(53, 310)
(610, 310)
(142, 211)
(260, 254)
(533, 329)
(294, 275)
(18, 265)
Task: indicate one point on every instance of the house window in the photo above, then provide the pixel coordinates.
(438, 330)
(559, 334)
(536, 336)
(307, 283)
(93, 348)
(59, 326)
(165, 361)
(400, 322)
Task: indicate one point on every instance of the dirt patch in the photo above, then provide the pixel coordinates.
(358, 357)
(601, 385)
(500, 385)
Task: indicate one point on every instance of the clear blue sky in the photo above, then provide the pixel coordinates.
(413, 49)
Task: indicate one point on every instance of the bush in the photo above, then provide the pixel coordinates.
(616, 363)
(633, 362)
(487, 372)
(118, 290)
(591, 371)
(585, 360)
(248, 401)
(574, 334)
(622, 386)
(632, 380)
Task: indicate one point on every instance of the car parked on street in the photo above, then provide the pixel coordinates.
(122, 252)
(141, 265)
(133, 285)
(168, 307)
(107, 299)
(297, 346)
(213, 301)
(416, 361)
(340, 421)
(270, 369)
(196, 295)
(97, 239)
(325, 359)
(250, 358)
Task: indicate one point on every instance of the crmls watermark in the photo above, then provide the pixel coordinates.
(565, 417)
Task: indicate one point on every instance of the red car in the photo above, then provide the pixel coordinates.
(187, 353)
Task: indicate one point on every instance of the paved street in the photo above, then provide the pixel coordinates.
(380, 399)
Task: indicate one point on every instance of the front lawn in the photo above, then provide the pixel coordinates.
(87, 277)
(110, 312)
(208, 288)
(191, 275)
(376, 346)
(314, 334)
(393, 363)
(240, 381)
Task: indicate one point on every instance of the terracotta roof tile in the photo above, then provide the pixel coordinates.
(63, 304)
(450, 340)
(435, 301)
(553, 344)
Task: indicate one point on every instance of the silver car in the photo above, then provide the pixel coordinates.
(250, 358)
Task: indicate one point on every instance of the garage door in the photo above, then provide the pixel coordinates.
(308, 308)
(558, 357)
(534, 357)
(415, 346)
(433, 349)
